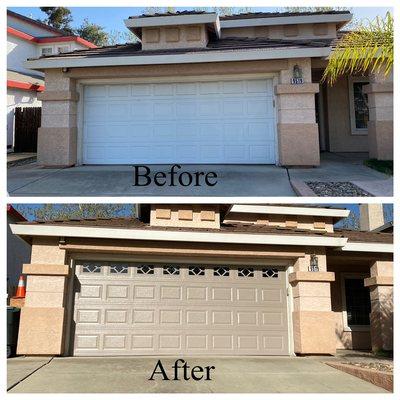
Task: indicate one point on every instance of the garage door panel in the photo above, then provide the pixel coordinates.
(165, 310)
(190, 115)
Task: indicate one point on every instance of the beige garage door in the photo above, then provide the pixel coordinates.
(138, 309)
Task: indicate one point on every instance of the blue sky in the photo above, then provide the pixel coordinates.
(111, 18)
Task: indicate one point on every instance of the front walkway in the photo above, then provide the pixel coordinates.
(131, 375)
(233, 180)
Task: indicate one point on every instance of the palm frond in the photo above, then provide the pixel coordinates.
(367, 49)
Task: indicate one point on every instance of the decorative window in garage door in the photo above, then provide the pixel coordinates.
(91, 268)
(270, 272)
(170, 270)
(221, 271)
(246, 272)
(145, 269)
(119, 269)
(196, 270)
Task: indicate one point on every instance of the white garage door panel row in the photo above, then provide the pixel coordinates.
(201, 122)
(194, 310)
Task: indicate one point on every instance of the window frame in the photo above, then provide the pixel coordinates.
(346, 327)
(353, 79)
(65, 46)
(48, 48)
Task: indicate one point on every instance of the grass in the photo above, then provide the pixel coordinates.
(384, 166)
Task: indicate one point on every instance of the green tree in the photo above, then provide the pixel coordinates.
(315, 9)
(367, 49)
(93, 33)
(47, 212)
(118, 37)
(58, 17)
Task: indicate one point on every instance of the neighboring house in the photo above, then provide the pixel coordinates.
(200, 88)
(195, 280)
(18, 252)
(27, 38)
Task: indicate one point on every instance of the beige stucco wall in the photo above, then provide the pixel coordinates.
(174, 37)
(185, 216)
(339, 127)
(297, 32)
(284, 221)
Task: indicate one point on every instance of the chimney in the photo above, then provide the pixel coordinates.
(371, 216)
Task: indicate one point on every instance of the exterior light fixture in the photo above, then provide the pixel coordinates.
(313, 263)
(297, 76)
(65, 69)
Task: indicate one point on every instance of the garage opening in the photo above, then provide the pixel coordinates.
(147, 309)
(207, 122)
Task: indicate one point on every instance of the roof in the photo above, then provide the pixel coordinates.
(241, 15)
(229, 44)
(25, 78)
(134, 223)
(14, 213)
(388, 227)
(170, 14)
(278, 14)
(37, 23)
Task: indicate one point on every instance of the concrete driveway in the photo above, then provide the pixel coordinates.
(130, 375)
(233, 180)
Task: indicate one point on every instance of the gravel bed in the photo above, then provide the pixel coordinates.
(337, 189)
(377, 366)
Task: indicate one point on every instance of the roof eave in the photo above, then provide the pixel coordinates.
(28, 230)
(186, 58)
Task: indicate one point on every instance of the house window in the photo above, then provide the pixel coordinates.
(358, 303)
(62, 49)
(359, 112)
(46, 51)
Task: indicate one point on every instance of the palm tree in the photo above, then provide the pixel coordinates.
(367, 49)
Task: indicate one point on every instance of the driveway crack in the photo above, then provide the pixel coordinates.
(30, 374)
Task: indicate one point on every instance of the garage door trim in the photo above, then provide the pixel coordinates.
(82, 83)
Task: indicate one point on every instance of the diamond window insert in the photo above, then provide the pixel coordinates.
(170, 270)
(221, 271)
(145, 269)
(270, 273)
(246, 272)
(119, 269)
(196, 270)
(91, 268)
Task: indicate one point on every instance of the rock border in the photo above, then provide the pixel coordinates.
(377, 378)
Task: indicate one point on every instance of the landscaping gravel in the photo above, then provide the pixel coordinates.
(383, 367)
(336, 189)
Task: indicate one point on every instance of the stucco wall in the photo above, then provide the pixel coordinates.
(339, 127)
(290, 221)
(303, 31)
(174, 37)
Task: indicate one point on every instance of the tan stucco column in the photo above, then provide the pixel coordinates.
(298, 139)
(380, 124)
(41, 329)
(313, 319)
(57, 136)
(381, 291)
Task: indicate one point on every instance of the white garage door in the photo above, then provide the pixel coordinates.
(136, 309)
(229, 122)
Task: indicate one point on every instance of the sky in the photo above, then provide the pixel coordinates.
(112, 18)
